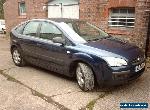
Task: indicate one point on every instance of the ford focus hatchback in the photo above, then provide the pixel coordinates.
(77, 49)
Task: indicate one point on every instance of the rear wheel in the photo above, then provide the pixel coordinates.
(17, 57)
(85, 77)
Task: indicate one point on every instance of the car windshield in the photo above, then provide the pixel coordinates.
(72, 34)
(88, 31)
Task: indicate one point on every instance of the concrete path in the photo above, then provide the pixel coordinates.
(32, 88)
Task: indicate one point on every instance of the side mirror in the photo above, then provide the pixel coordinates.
(59, 40)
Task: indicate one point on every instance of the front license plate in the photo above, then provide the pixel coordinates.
(139, 67)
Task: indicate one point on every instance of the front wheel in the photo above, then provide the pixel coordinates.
(17, 57)
(85, 77)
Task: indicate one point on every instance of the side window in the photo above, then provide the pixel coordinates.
(31, 28)
(49, 31)
(19, 29)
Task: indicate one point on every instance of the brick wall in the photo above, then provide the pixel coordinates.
(34, 9)
(141, 24)
(89, 10)
(97, 12)
(105, 12)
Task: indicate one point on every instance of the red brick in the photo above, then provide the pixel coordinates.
(34, 9)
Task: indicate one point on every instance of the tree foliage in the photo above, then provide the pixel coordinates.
(1, 9)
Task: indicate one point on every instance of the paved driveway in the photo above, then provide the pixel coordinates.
(32, 88)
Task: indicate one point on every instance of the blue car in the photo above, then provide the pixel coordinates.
(78, 49)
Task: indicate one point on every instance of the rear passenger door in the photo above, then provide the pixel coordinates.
(28, 41)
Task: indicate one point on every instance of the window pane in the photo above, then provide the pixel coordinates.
(123, 10)
(70, 25)
(20, 28)
(131, 10)
(130, 20)
(114, 21)
(22, 8)
(49, 31)
(130, 24)
(31, 28)
(114, 17)
(122, 22)
(115, 11)
(86, 30)
(122, 17)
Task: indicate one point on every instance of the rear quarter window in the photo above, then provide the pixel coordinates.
(20, 28)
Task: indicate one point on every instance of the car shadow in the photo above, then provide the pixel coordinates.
(52, 73)
(102, 88)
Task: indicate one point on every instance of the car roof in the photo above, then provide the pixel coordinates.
(59, 20)
(63, 19)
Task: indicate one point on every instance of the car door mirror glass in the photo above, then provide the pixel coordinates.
(59, 40)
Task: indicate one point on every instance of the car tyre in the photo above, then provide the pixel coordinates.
(17, 57)
(85, 77)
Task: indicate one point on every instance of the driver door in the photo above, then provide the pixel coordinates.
(51, 55)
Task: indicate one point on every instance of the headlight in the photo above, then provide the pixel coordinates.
(112, 61)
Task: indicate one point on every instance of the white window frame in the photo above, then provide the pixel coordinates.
(125, 17)
(21, 10)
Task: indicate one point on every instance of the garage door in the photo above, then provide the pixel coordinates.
(63, 11)
(71, 11)
(54, 11)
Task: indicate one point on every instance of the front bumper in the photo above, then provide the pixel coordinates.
(120, 75)
(124, 77)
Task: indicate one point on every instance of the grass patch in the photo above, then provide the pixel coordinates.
(91, 104)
